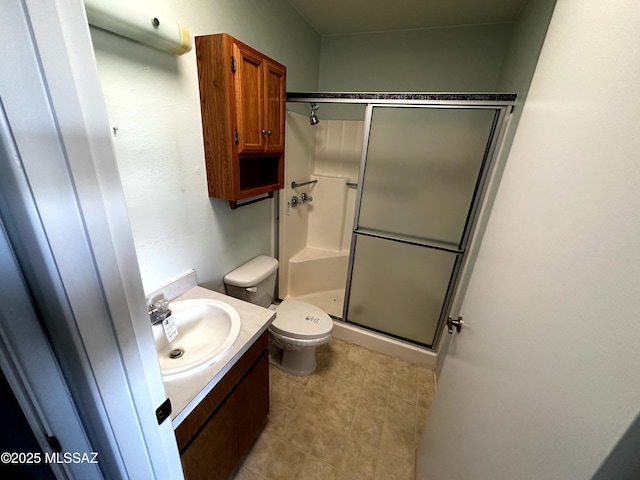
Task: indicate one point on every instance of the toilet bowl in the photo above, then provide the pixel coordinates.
(298, 328)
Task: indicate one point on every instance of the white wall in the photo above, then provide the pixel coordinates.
(152, 99)
(543, 383)
(454, 59)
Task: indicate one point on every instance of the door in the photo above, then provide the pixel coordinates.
(34, 395)
(274, 106)
(543, 383)
(62, 205)
(421, 179)
(249, 82)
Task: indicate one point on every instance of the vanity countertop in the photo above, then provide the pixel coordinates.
(187, 392)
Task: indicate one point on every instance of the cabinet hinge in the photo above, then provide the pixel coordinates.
(236, 137)
(233, 65)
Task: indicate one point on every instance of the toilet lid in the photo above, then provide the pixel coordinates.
(298, 319)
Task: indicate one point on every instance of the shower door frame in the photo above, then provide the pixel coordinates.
(501, 103)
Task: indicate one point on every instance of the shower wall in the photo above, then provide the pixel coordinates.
(315, 237)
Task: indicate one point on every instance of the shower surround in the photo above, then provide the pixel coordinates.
(315, 236)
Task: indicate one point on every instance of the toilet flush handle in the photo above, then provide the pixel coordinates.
(252, 289)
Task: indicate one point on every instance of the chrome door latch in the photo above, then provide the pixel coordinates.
(457, 324)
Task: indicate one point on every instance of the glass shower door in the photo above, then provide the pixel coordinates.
(420, 183)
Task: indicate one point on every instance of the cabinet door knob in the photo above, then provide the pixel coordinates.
(269, 132)
(264, 132)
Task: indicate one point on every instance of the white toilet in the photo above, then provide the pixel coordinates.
(298, 328)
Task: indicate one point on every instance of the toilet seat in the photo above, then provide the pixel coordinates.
(302, 321)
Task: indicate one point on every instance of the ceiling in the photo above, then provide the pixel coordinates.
(330, 17)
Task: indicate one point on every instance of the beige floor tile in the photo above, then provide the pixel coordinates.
(323, 384)
(277, 420)
(421, 419)
(374, 400)
(367, 428)
(425, 376)
(359, 416)
(377, 379)
(401, 413)
(407, 391)
(405, 371)
(359, 354)
(308, 411)
(259, 454)
(339, 416)
(424, 401)
(312, 398)
(352, 371)
(359, 461)
(284, 391)
(244, 473)
(382, 362)
(337, 346)
(285, 461)
(302, 379)
(314, 469)
(301, 429)
(328, 363)
(392, 468)
(397, 441)
(346, 391)
(328, 446)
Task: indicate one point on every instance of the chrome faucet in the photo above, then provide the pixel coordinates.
(159, 312)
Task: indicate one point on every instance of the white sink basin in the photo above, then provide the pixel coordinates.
(206, 331)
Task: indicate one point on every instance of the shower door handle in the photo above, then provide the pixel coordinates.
(457, 324)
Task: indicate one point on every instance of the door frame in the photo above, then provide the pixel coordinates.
(66, 219)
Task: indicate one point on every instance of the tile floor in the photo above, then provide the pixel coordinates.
(359, 416)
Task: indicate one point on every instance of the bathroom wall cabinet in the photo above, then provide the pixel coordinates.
(215, 436)
(242, 102)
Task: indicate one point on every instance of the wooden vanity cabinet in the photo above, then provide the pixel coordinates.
(220, 430)
(242, 102)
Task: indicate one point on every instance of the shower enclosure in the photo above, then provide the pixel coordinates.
(424, 161)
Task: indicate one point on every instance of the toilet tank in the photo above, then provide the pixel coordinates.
(254, 281)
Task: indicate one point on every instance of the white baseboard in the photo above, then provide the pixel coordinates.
(383, 344)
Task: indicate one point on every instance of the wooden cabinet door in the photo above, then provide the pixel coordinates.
(213, 454)
(252, 402)
(249, 85)
(274, 106)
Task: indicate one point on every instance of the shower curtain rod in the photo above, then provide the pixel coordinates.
(500, 99)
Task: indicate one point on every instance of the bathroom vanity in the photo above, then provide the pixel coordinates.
(217, 433)
(218, 412)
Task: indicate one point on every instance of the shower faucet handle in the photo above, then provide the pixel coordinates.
(304, 198)
(294, 201)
